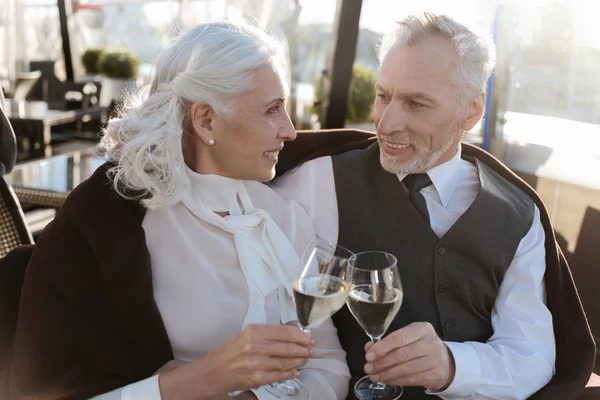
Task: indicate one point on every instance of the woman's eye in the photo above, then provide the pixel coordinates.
(273, 110)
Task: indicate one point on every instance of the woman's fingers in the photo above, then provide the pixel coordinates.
(285, 350)
(262, 378)
(279, 333)
(271, 364)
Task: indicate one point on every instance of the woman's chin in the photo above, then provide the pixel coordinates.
(263, 175)
(267, 176)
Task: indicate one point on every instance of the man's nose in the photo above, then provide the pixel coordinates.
(392, 119)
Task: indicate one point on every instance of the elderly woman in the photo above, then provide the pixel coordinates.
(175, 250)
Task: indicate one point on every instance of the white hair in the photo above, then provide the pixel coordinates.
(477, 53)
(211, 63)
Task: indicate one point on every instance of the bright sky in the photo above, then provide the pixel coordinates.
(380, 15)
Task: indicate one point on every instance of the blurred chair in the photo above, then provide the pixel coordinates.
(17, 227)
(13, 229)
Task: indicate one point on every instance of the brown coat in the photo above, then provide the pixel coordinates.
(88, 322)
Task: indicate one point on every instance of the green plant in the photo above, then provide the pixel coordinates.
(119, 64)
(361, 95)
(89, 59)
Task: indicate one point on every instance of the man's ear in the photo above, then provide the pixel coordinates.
(475, 111)
(202, 118)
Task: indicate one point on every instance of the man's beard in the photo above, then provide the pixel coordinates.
(423, 159)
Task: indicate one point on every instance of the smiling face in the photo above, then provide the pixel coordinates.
(248, 140)
(418, 114)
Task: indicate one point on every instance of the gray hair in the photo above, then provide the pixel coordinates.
(477, 53)
(211, 63)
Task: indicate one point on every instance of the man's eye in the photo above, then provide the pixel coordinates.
(414, 104)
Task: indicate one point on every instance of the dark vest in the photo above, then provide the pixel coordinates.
(451, 282)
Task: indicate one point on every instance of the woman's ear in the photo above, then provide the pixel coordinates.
(202, 121)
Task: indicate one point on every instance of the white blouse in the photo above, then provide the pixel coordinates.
(213, 275)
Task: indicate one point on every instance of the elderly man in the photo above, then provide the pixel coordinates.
(474, 322)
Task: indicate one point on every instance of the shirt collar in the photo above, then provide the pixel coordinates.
(444, 177)
(217, 193)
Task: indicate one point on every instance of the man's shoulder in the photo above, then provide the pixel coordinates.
(509, 187)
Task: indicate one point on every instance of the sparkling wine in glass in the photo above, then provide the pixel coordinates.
(320, 290)
(374, 300)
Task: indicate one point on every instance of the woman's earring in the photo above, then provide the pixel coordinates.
(211, 142)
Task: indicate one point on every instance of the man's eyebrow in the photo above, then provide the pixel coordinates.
(418, 96)
(380, 88)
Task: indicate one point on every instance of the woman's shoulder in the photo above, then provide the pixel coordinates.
(95, 199)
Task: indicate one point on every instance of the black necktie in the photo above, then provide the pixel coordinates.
(414, 183)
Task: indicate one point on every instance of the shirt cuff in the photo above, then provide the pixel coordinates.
(467, 375)
(147, 389)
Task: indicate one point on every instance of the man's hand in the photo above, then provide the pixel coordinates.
(411, 356)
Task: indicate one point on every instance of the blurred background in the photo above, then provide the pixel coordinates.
(64, 64)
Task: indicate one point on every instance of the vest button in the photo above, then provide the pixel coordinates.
(441, 289)
(441, 250)
(447, 326)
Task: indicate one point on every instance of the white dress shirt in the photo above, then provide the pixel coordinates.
(519, 357)
(211, 279)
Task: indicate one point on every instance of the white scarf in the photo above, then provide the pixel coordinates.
(267, 257)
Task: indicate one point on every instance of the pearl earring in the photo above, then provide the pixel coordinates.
(211, 142)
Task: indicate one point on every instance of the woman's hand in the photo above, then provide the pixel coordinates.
(262, 354)
(170, 366)
(241, 396)
(259, 355)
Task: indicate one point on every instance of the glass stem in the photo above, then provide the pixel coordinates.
(303, 329)
(377, 386)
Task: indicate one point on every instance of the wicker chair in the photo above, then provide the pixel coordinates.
(13, 229)
(40, 198)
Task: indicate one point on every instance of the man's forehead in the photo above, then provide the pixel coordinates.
(429, 55)
(429, 64)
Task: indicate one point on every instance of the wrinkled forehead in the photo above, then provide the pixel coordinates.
(430, 66)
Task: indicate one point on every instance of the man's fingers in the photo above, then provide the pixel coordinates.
(398, 356)
(403, 374)
(280, 333)
(400, 338)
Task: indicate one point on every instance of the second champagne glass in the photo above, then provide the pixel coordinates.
(374, 300)
(320, 290)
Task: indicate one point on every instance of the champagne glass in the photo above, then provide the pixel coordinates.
(374, 300)
(320, 290)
